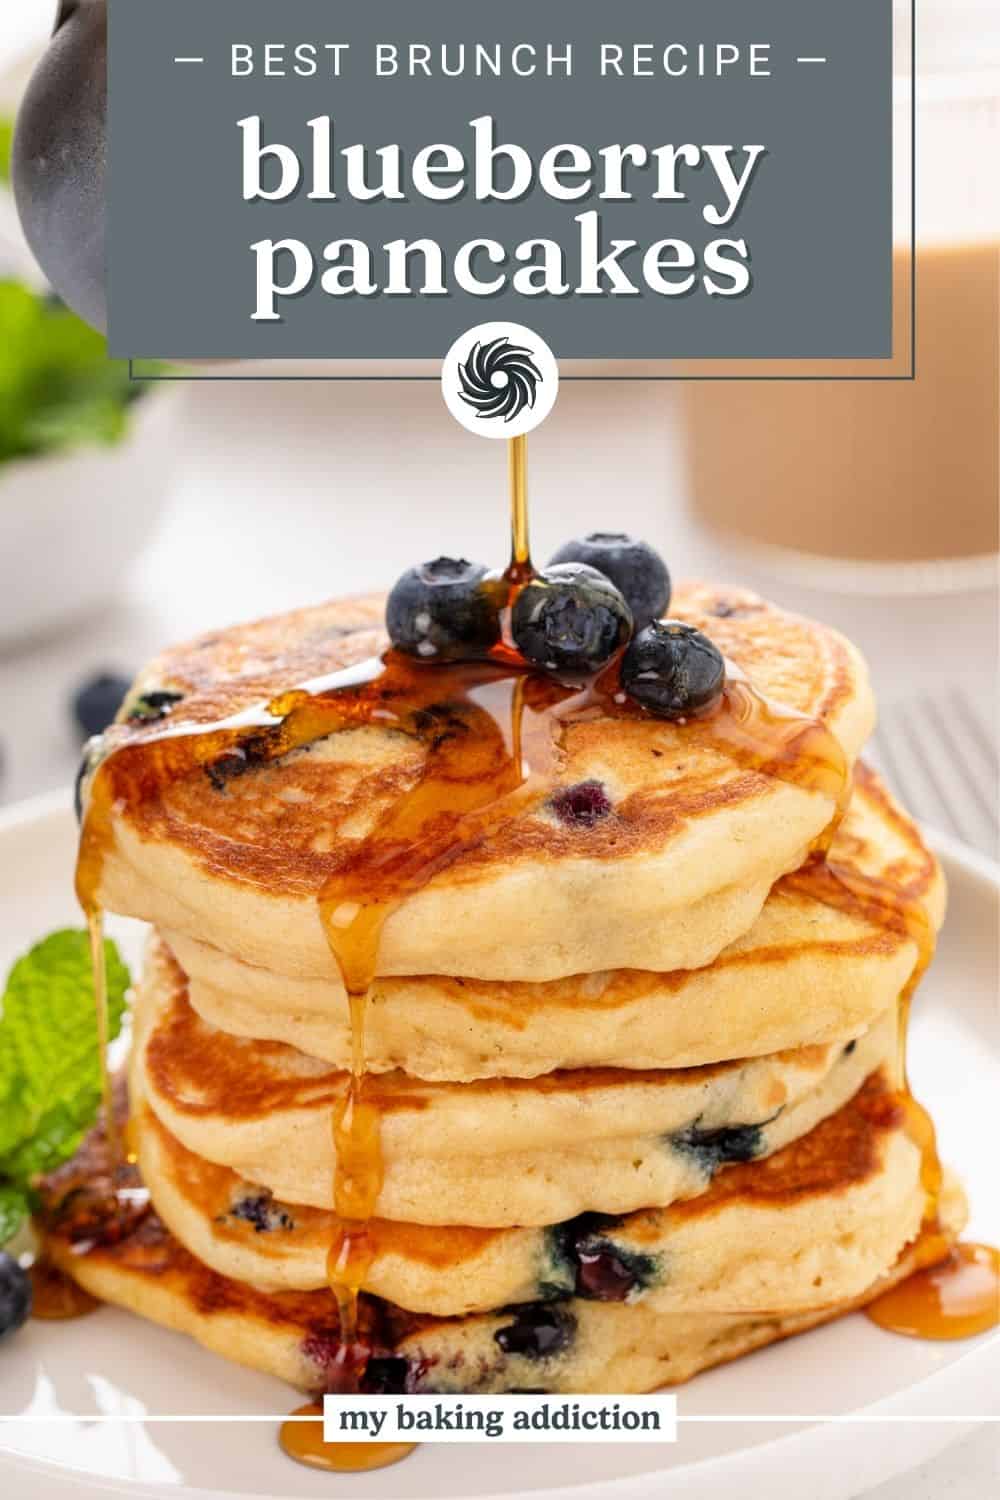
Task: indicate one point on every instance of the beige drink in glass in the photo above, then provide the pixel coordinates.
(882, 472)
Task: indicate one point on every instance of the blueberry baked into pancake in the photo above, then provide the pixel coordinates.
(526, 990)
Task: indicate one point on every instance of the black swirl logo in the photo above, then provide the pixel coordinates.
(499, 379)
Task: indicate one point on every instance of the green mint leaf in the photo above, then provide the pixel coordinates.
(50, 1082)
(58, 388)
(13, 1210)
(13, 1113)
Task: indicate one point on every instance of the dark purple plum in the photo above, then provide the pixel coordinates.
(59, 158)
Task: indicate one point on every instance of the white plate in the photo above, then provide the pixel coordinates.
(112, 1365)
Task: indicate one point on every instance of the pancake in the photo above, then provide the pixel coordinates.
(235, 853)
(493, 1153)
(593, 1346)
(816, 1221)
(748, 1002)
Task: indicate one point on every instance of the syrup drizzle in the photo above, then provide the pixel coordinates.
(95, 1214)
(960, 1295)
(466, 786)
(95, 928)
(472, 781)
(55, 1298)
(520, 569)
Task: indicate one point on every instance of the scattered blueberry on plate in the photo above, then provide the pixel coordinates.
(634, 567)
(443, 608)
(97, 701)
(15, 1295)
(570, 619)
(673, 670)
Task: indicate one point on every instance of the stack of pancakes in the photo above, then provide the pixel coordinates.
(636, 1071)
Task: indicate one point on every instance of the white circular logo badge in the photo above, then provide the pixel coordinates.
(500, 380)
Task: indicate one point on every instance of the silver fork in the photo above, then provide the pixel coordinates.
(940, 757)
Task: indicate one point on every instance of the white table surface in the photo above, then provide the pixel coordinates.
(284, 494)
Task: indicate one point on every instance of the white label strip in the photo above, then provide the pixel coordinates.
(503, 1419)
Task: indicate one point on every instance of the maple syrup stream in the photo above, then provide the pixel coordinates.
(505, 729)
(418, 836)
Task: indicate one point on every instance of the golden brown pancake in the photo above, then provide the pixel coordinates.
(850, 964)
(594, 1345)
(817, 1220)
(493, 1153)
(679, 864)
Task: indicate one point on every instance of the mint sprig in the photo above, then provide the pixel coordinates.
(58, 388)
(50, 1079)
(14, 1209)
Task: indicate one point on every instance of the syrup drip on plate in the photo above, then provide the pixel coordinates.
(955, 1299)
(302, 1439)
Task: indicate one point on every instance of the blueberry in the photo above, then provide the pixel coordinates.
(261, 1211)
(150, 707)
(603, 1270)
(15, 1295)
(253, 751)
(603, 1276)
(98, 700)
(231, 763)
(712, 1149)
(443, 608)
(570, 619)
(673, 670)
(389, 1375)
(538, 1330)
(582, 805)
(637, 571)
(89, 761)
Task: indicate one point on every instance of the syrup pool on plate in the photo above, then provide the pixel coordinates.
(301, 1437)
(954, 1299)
